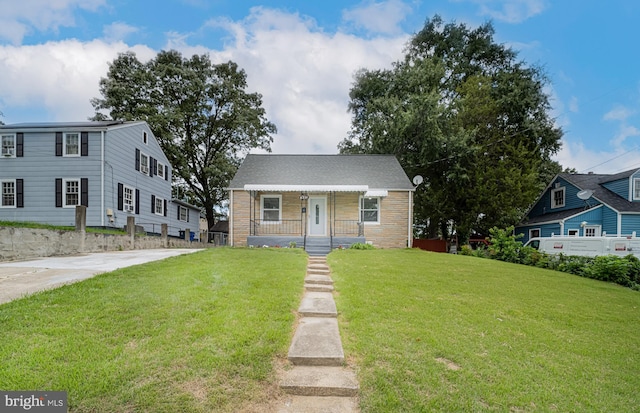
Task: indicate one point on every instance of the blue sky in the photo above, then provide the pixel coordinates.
(301, 56)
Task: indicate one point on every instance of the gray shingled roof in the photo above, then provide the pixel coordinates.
(594, 182)
(64, 125)
(375, 171)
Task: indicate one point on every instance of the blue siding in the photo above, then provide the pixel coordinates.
(630, 223)
(592, 216)
(546, 230)
(543, 206)
(619, 187)
(609, 221)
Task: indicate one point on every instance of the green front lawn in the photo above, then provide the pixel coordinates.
(436, 332)
(195, 333)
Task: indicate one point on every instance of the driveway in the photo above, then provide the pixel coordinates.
(20, 278)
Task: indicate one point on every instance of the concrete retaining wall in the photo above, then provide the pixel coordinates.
(26, 243)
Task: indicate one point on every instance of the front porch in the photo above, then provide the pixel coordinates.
(317, 222)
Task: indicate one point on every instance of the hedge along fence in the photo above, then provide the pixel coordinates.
(504, 246)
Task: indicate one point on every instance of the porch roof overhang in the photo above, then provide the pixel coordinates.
(306, 188)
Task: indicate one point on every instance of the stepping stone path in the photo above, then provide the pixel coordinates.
(318, 381)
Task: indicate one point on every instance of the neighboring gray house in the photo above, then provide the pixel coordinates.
(116, 169)
(586, 205)
(321, 201)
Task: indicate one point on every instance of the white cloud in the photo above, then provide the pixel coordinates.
(573, 105)
(118, 31)
(619, 112)
(575, 155)
(382, 18)
(57, 77)
(303, 73)
(510, 11)
(20, 17)
(626, 132)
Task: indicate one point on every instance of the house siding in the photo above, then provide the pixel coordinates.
(546, 230)
(630, 224)
(120, 167)
(609, 221)
(543, 206)
(591, 217)
(620, 187)
(39, 168)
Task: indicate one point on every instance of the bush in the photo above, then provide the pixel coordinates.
(504, 246)
(610, 268)
(361, 246)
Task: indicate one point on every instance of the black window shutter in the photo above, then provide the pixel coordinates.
(19, 193)
(155, 167)
(58, 192)
(166, 173)
(165, 208)
(137, 159)
(151, 160)
(84, 191)
(187, 214)
(120, 197)
(153, 204)
(84, 143)
(58, 143)
(19, 144)
(178, 212)
(137, 201)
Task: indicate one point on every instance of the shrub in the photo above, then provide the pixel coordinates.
(610, 268)
(504, 246)
(361, 246)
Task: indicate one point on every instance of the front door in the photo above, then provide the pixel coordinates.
(318, 216)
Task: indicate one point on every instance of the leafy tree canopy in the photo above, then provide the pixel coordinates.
(464, 113)
(201, 113)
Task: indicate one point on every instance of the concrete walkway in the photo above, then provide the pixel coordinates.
(318, 381)
(20, 278)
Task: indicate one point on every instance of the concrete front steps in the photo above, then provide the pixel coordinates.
(318, 380)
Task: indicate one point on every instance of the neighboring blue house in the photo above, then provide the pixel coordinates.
(586, 205)
(116, 169)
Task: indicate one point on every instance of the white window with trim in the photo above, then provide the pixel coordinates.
(534, 233)
(636, 189)
(592, 231)
(183, 214)
(161, 170)
(271, 208)
(144, 163)
(9, 146)
(8, 193)
(370, 210)
(71, 192)
(158, 207)
(71, 144)
(558, 197)
(128, 199)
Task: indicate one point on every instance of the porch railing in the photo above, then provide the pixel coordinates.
(346, 227)
(282, 227)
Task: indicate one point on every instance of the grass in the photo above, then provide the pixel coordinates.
(195, 333)
(37, 225)
(436, 332)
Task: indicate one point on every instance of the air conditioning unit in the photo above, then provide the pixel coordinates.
(128, 208)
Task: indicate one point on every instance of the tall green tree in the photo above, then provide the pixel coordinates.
(467, 115)
(201, 113)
